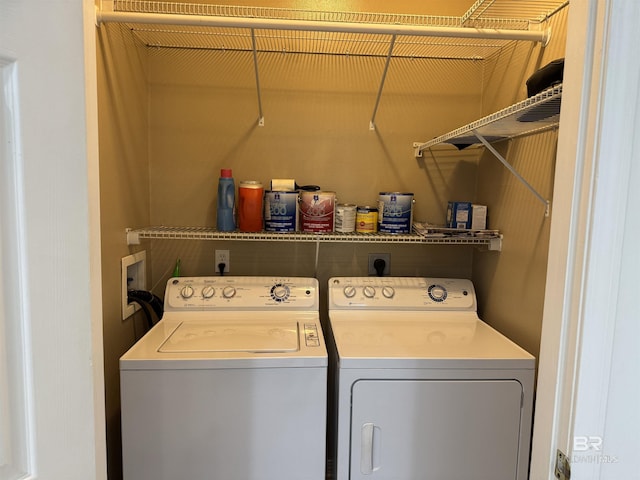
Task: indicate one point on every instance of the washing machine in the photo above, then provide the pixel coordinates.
(230, 384)
(423, 389)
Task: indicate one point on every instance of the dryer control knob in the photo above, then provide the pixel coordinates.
(388, 292)
(349, 291)
(437, 293)
(369, 291)
(186, 292)
(208, 291)
(229, 292)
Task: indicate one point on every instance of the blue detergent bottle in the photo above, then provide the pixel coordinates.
(226, 219)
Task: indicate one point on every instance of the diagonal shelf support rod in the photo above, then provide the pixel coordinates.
(372, 123)
(542, 200)
(255, 67)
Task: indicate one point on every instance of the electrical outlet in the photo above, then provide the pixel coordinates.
(134, 277)
(223, 256)
(386, 257)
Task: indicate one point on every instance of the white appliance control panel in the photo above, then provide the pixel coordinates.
(401, 293)
(241, 293)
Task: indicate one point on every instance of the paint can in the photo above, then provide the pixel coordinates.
(366, 219)
(395, 212)
(317, 211)
(280, 211)
(250, 197)
(345, 218)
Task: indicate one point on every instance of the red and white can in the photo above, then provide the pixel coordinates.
(317, 211)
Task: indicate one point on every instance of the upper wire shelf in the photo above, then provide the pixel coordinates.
(486, 28)
(516, 14)
(174, 8)
(474, 36)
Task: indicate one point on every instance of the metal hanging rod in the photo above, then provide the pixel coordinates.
(105, 16)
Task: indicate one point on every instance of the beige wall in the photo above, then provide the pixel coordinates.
(124, 194)
(511, 283)
(171, 119)
(317, 111)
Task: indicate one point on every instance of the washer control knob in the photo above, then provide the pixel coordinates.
(187, 292)
(437, 293)
(229, 292)
(349, 291)
(280, 292)
(388, 292)
(208, 291)
(369, 291)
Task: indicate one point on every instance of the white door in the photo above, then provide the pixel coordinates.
(437, 430)
(51, 381)
(588, 382)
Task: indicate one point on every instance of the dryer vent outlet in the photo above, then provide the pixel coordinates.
(376, 264)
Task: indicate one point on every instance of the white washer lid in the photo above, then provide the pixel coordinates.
(255, 337)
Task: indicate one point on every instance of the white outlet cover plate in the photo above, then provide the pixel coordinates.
(139, 260)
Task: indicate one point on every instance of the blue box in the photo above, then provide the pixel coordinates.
(459, 215)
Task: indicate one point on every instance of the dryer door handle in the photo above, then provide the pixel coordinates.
(369, 448)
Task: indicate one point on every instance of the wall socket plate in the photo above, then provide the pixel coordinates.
(134, 277)
(223, 256)
(382, 256)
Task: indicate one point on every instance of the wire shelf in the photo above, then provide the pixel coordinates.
(334, 36)
(536, 113)
(516, 14)
(173, 8)
(534, 10)
(490, 240)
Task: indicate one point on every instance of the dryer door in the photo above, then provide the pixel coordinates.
(436, 430)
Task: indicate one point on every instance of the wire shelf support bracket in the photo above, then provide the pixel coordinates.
(255, 67)
(544, 201)
(372, 123)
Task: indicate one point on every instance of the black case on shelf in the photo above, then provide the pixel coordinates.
(548, 76)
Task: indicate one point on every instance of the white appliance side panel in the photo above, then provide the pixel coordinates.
(264, 424)
(435, 429)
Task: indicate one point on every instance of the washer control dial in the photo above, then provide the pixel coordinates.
(437, 293)
(229, 292)
(388, 292)
(187, 292)
(369, 291)
(208, 291)
(280, 292)
(349, 291)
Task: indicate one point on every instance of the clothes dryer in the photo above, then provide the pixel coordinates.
(423, 389)
(230, 384)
